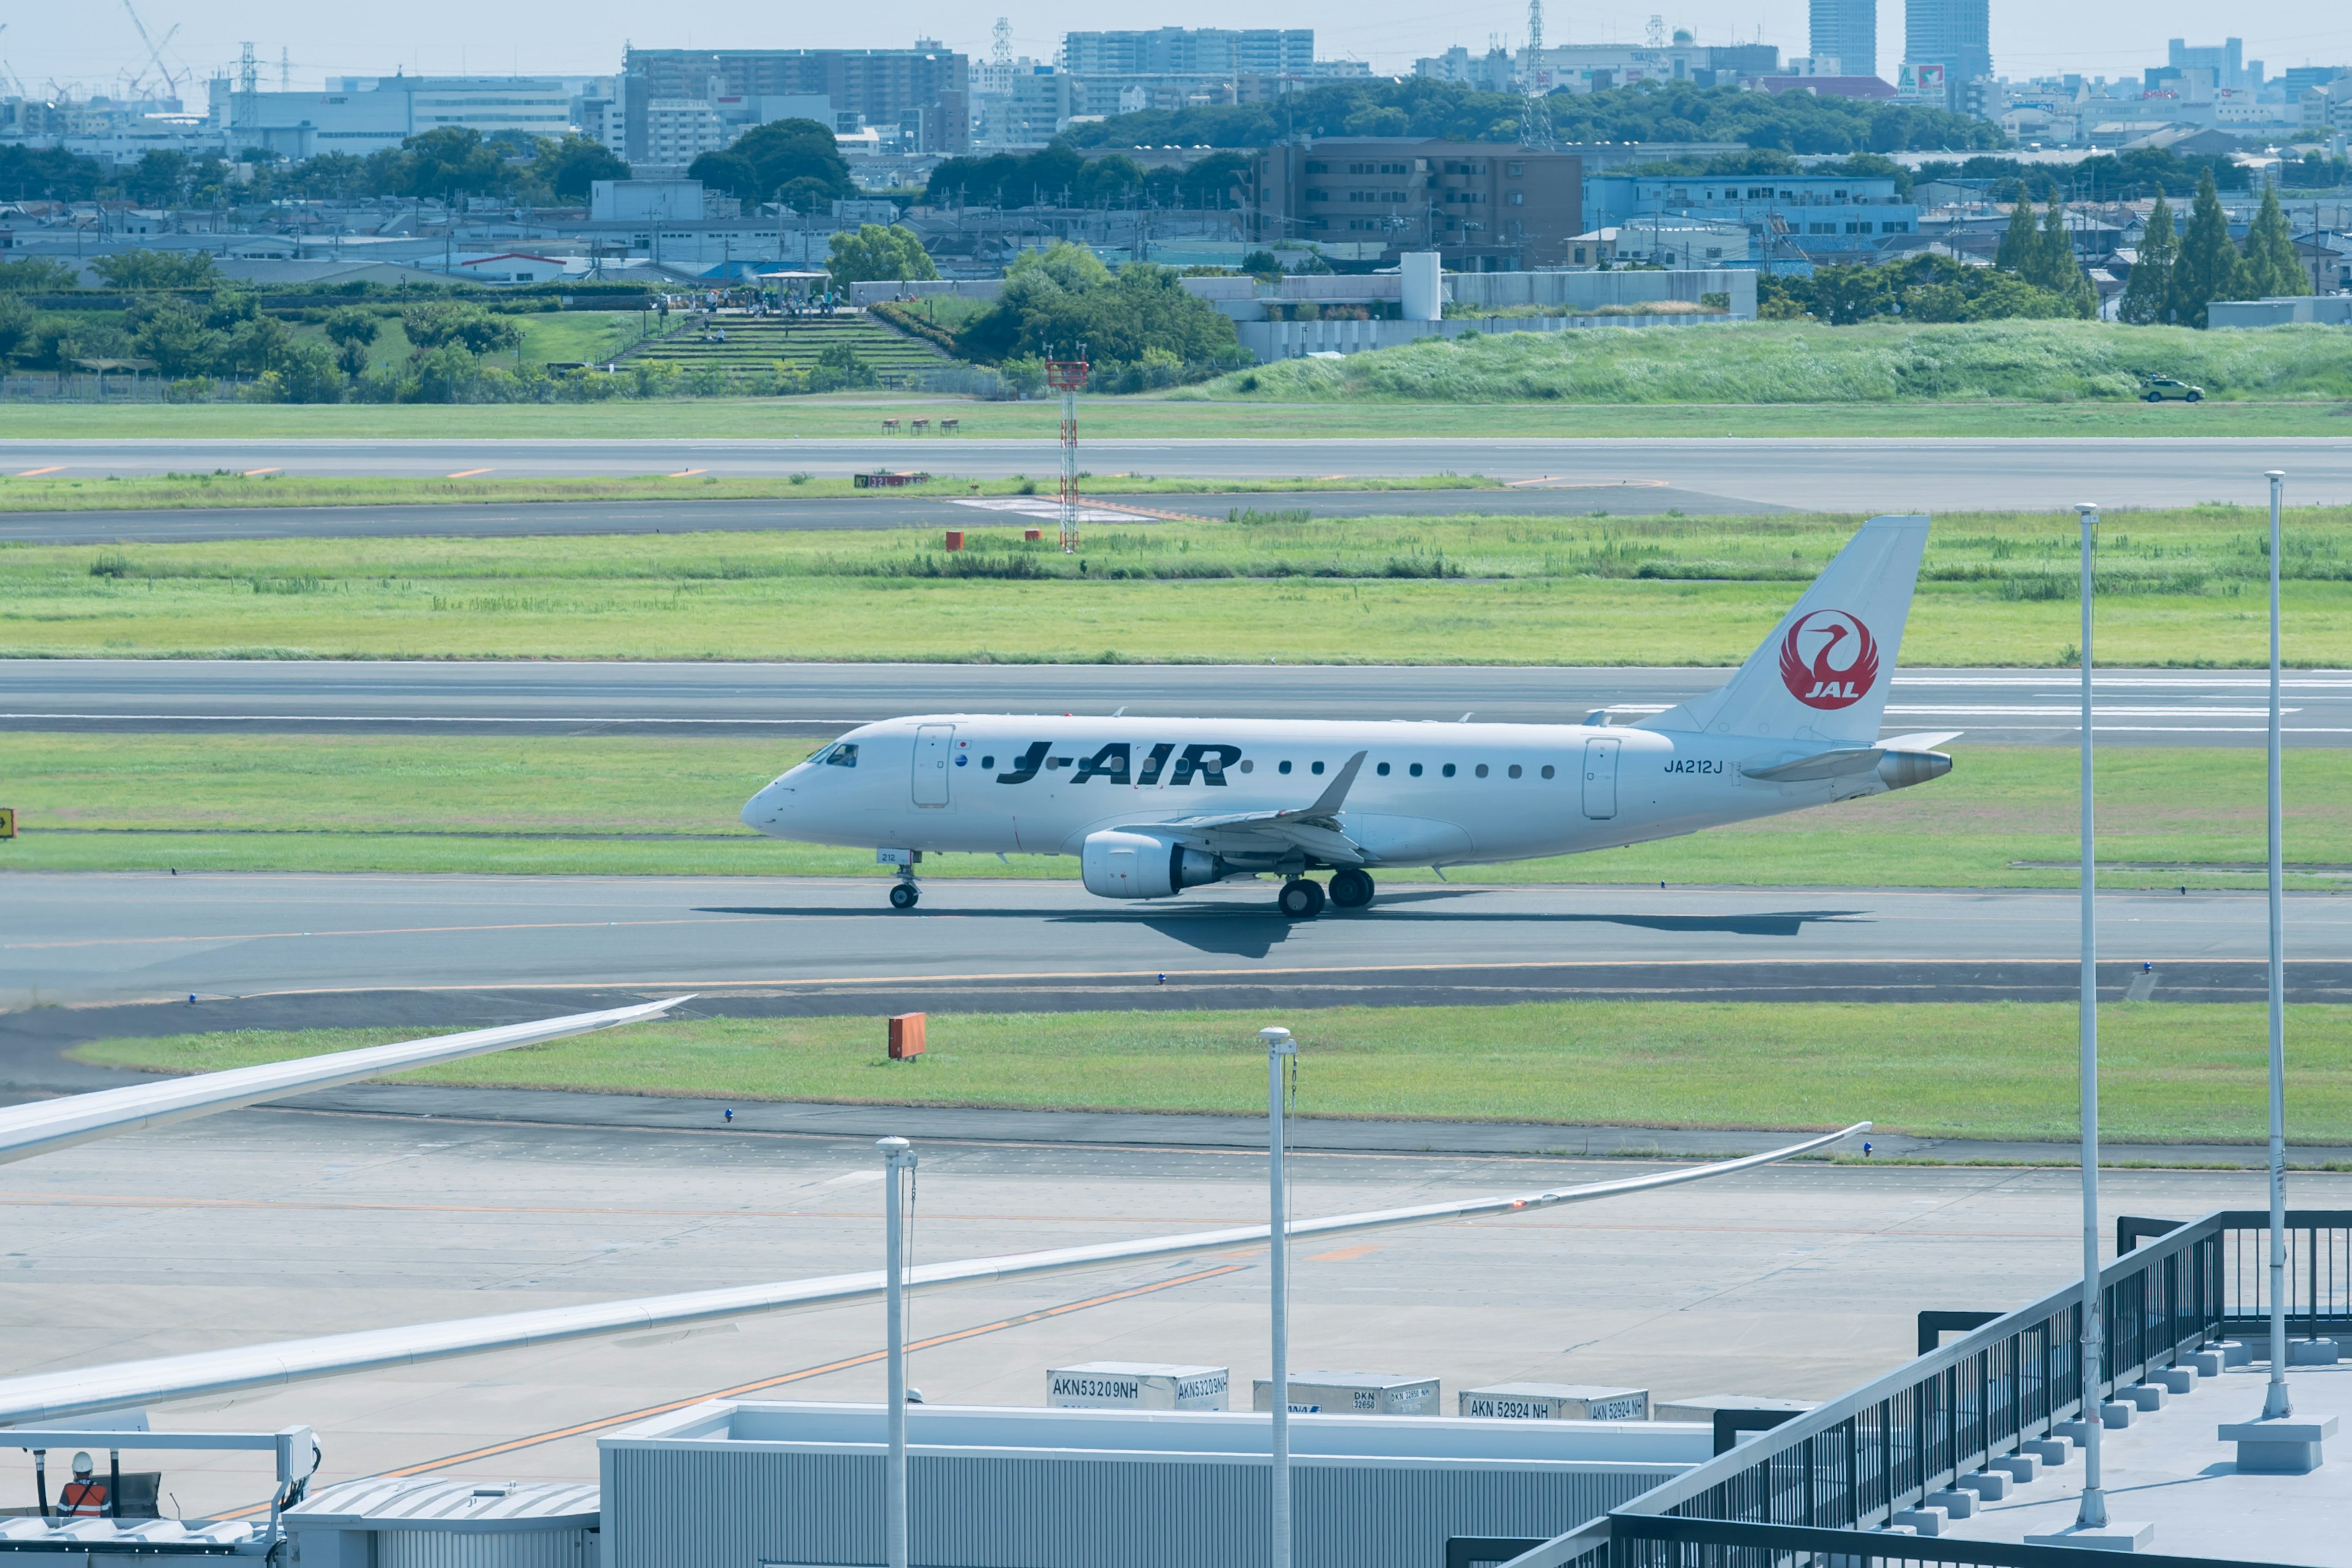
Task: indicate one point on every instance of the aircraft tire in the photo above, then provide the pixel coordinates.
(905, 896)
(1300, 900)
(1351, 889)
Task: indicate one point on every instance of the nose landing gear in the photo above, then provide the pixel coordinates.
(1351, 889)
(905, 895)
(1300, 900)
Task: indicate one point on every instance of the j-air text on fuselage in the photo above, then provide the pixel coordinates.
(1151, 806)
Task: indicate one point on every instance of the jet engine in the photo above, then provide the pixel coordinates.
(1122, 865)
(1901, 770)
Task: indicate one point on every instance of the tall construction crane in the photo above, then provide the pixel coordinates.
(155, 50)
(8, 73)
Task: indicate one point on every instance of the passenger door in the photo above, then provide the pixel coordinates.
(1601, 779)
(934, 747)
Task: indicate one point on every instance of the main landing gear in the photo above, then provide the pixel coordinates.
(1302, 899)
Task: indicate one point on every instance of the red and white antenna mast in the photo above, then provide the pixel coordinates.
(1066, 376)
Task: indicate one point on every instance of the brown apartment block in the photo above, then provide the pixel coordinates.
(1484, 208)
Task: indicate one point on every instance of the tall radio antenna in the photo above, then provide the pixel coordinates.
(1535, 124)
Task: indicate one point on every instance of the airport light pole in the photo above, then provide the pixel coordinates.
(2092, 1514)
(1279, 1050)
(2276, 1402)
(898, 1156)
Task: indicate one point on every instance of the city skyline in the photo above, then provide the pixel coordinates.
(97, 48)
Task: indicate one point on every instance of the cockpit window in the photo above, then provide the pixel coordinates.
(841, 755)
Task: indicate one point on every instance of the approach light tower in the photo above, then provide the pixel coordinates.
(1066, 376)
(1535, 124)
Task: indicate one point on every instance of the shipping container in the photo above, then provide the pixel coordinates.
(1554, 1402)
(1137, 1385)
(1351, 1393)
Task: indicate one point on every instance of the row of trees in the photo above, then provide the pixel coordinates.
(793, 161)
(1925, 287)
(2129, 175)
(1138, 325)
(1647, 112)
(2178, 275)
(450, 162)
(1060, 175)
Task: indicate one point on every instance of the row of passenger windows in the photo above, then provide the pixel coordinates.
(1249, 764)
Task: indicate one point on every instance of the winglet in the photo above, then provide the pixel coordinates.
(1335, 794)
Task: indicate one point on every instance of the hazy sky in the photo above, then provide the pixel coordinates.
(92, 43)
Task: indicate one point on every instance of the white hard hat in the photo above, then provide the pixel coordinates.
(82, 1465)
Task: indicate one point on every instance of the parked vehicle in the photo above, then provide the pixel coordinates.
(2159, 387)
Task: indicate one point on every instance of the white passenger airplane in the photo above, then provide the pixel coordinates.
(1152, 806)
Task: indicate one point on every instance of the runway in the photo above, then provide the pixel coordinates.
(815, 945)
(519, 519)
(1858, 473)
(2167, 707)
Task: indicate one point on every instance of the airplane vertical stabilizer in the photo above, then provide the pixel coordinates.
(1822, 675)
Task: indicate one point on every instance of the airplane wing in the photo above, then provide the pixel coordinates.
(1314, 829)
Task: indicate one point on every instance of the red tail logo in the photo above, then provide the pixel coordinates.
(1829, 660)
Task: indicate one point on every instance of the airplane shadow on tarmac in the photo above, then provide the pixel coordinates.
(1250, 930)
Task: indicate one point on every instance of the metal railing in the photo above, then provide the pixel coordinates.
(1815, 1490)
(2318, 1268)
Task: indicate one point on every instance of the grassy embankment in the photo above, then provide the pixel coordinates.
(231, 488)
(1787, 362)
(2178, 587)
(579, 804)
(1766, 379)
(2168, 1072)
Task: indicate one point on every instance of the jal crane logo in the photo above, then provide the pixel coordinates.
(1829, 660)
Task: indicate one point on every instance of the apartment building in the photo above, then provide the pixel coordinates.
(924, 92)
(1483, 207)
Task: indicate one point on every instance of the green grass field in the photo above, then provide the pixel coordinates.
(590, 337)
(2180, 587)
(1804, 364)
(579, 804)
(2168, 1072)
(861, 414)
(235, 488)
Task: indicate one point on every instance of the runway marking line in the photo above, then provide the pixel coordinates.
(257, 473)
(686, 473)
(804, 1373)
(1345, 1254)
(469, 473)
(37, 473)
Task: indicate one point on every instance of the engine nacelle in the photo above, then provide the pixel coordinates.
(1901, 770)
(1117, 865)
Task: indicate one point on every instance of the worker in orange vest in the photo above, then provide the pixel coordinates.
(84, 1496)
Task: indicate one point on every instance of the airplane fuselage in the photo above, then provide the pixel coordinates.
(1427, 794)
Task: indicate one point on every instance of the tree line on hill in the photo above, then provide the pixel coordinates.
(1061, 176)
(1647, 111)
(444, 164)
(2131, 176)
